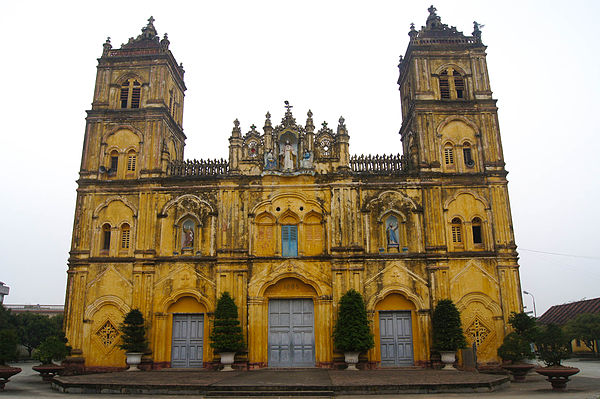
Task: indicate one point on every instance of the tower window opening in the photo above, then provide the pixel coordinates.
(105, 237)
(476, 227)
(468, 156)
(444, 85)
(114, 163)
(456, 231)
(459, 84)
(130, 94)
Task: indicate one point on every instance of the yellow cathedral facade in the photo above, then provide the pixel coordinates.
(291, 220)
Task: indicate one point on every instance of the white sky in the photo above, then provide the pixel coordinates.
(243, 58)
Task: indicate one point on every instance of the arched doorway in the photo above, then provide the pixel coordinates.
(291, 332)
(187, 333)
(395, 327)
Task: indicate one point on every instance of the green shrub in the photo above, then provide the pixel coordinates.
(226, 335)
(53, 348)
(8, 345)
(553, 345)
(351, 332)
(524, 325)
(515, 348)
(133, 332)
(447, 331)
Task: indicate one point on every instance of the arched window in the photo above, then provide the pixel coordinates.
(187, 234)
(105, 244)
(114, 163)
(289, 240)
(130, 94)
(477, 232)
(449, 155)
(131, 161)
(452, 85)
(457, 231)
(125, 237)
(468, 155)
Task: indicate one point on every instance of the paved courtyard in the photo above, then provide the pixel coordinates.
(586, 384)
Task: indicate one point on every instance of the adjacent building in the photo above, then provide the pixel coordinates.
(292, 219)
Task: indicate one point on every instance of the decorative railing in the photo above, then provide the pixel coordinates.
(203, 167)
(444, 40)
(378, 164)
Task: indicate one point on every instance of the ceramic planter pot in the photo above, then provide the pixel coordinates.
(448, 358)
(227, 359)
(133, 359)
(557, 375)
(5, 373)
(48, 370)
(519, 370)
(351, 359)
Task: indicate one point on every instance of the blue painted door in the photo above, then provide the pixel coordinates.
(188, 340)
(395, 336)
(291, 333)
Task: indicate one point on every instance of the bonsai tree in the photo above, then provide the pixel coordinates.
(53, 348)
(133, 330)
(447, 330)
(351, 332)
(517, 345)
(226, 335)
(553, 345)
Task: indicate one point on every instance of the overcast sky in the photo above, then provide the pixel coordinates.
(244, 58)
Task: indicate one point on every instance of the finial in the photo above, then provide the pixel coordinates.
(253, 127)
(236, 123)
(324, 124)
(341, 120)
(309, 113)
(236, 131)
(151, 20)
(310, 125)
(164, 43)
(149, 32)
(288, 106)
(267, 120)
(106, 47)
(412, 33)
(432, 10)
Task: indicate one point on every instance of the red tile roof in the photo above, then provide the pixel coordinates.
(560, 314)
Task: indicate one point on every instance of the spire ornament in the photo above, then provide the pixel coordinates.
(106, 47)
(236, 131)
(164, 43)
(310, 125)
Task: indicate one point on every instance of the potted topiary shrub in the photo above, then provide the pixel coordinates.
(554, 346)
(8, 352)
(448, 335)
(133, 338)
(516, 346)
(226, 336)
(351, 333)
(53, 348)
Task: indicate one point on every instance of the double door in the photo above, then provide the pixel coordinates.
(395, 335)
(188, 340)
(291, 333)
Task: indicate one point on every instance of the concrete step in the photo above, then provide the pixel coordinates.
(272, 394)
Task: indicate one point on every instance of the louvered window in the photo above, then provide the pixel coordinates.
(456, 231)
(444, 85)
(459, 85)
(131, 160)
(449, 155)
(130, 94)
(289, 240)
(125, 234)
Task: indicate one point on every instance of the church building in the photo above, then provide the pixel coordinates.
(292, 219)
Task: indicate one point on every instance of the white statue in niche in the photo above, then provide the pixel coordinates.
(288, 152)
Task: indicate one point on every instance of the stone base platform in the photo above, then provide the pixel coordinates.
(281, 383)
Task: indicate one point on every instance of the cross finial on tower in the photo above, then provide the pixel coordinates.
(288, 106)
(432, 10)
(151, 20)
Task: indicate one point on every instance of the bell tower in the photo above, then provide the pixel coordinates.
(449, 116)
(135, 125)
